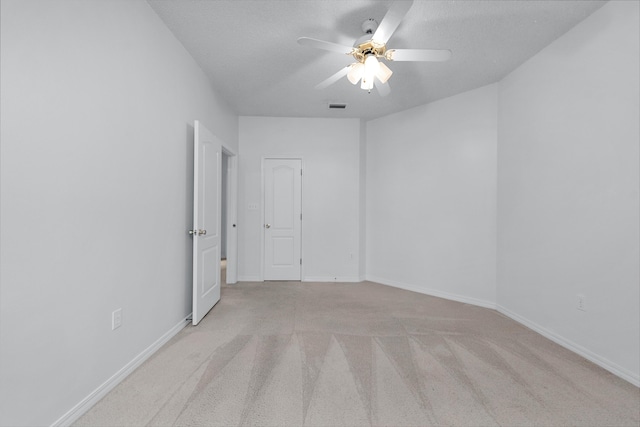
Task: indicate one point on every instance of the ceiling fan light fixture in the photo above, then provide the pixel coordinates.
(383, 73)
(366, 84)
(371, 68)
(355, 72)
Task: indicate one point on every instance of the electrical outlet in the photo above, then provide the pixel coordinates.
(116, 319)
(581, 303)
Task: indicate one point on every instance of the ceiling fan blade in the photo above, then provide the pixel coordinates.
(337, 76)
(383, 88)
(321, 44)
(391, 20)
(435, 55)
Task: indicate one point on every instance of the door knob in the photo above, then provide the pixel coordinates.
(267, 226)
(201, 232)
(193, 232)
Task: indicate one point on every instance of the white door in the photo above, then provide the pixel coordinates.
(282, 219)
(207, 155)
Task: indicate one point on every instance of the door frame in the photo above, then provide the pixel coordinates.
(262, 204)
(232, 214)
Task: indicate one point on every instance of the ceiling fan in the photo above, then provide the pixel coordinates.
(371, 47)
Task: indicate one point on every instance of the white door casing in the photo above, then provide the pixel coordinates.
(232, 219)
(282, 219)
(207, 155)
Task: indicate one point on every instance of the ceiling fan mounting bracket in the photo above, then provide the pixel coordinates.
(369, 26)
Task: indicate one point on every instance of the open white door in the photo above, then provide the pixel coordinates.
(207, 153)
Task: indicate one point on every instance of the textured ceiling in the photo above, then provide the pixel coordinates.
(249, 51)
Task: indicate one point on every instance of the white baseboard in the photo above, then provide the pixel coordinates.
(349, 279)
(433, 292)
(83, 406)
(610, 366)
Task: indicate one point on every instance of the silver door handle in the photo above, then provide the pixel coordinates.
(201, 232)
(193, 232)
(267, 226)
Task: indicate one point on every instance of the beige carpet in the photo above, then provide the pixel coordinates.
(324, 354)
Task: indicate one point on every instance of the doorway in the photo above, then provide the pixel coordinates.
(223, 218)
(228, 200)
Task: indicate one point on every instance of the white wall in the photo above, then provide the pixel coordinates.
(568, 180)
(431, 197)
(98, 101)
(330, 207)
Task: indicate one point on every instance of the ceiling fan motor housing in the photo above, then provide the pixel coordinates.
(365, 46)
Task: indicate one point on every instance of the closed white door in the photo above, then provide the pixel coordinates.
(207, 155)
(282, 219)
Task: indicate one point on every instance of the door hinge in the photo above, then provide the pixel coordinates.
(300, 217)
(300, 261)
(300, 172)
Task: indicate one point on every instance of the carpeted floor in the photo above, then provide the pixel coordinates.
(334, 354)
